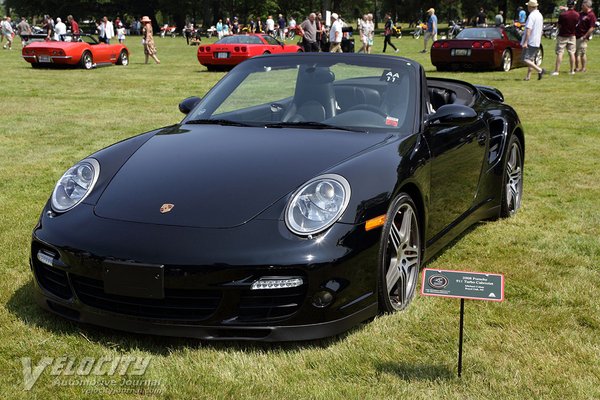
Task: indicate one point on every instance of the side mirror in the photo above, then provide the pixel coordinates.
(188, 104)
(453, 113)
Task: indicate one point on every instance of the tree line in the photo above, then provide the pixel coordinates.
(208, 12)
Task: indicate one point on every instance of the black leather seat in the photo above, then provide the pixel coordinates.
(314, 97)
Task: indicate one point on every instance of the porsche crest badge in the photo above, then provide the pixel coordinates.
(165, 208)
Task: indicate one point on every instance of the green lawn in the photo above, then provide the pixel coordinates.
(542, 342)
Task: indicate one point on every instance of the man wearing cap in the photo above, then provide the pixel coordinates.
(431, 32)
(583, 33)
(532, 38)
(335, 34)
(567, 23)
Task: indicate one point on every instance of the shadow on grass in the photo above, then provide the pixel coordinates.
(23, 305)
(416, 372)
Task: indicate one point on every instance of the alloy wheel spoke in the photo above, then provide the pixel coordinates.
(395, 236)
(393, 275)
(406, 225)
(402, 287)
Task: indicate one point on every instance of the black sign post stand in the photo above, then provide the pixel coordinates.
(460, 336)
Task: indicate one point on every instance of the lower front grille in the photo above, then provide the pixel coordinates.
(270, 304)
(178, 304)
(52, 279)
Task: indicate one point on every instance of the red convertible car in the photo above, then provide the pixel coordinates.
(82, 50)
(232, 50)
(481, 48)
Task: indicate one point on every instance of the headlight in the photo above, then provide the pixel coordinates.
(75, 185)
(318, 204)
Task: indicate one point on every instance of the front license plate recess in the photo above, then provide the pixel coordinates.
(134, 280)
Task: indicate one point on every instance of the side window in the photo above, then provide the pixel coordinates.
(513, 36)
(271, 40)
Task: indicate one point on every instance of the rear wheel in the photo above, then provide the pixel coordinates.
(506, 60)
(399, 255)
(86, 62)
(266, 52)
(512, 181)
(123, 58)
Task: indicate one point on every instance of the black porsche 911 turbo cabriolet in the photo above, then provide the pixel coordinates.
(285, 214)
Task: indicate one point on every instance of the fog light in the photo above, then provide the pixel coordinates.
(277, 282)
(45, 258)
(322, 299)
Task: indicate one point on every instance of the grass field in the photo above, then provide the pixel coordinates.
(543, 342)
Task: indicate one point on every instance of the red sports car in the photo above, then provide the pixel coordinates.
(232, 50)
(82, 50)
(480, 48)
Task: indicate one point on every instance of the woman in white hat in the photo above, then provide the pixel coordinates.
(148, 41)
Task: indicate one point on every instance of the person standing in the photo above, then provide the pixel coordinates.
(532, 38)
(308, 30)
(432, 29)
(220, 29)
(281, 29)
(291, 27)
(335, 34)
(387, 30)
(585, 29)
(74, 25)
(371, 30)
(148, 41)
(270, 25)
(121, 33)
(481, 18)
(499, 19)
(259, 26)
(24, 30)
(362, 31)
(522, 15)
(8, 32)
(567, 24)
(48, 27)
(60, 30)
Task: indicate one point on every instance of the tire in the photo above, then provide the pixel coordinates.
(506, 61)
(399, 256)
(512, 179)
(123, 58)
(35, 65)
(86, 62)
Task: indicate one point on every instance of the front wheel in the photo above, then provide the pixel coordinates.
(399, 255)
(86, 62)
(506, 60)
(512, 181)
(123, 58)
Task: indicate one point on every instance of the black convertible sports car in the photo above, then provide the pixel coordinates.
(283, 214)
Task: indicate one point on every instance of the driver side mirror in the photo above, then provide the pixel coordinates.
(452, 113)
(188, 104)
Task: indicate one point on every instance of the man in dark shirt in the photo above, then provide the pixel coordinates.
(481, 18)
(567, 22)
(309, 38)
(583, 33)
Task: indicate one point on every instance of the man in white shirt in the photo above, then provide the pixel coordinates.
(7, 32)
(532, 38)
(335, 34)
(270, 25)
(60, 29)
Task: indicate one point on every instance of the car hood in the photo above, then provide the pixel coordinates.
(220, 177)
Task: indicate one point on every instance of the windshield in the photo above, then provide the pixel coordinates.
(239, 39)
(480, 33)
(368, 93)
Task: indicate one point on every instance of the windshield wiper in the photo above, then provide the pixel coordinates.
(312, 125)
(224, 122)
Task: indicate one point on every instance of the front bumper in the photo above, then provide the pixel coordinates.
(207, 277)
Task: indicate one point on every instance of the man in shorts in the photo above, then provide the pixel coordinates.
(583, 33)
(532, 38)
(567, 22)
(7, 32)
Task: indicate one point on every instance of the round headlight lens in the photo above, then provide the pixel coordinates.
(318, 204)
(75, 185)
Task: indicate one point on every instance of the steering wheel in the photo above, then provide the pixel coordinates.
(368, 107)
